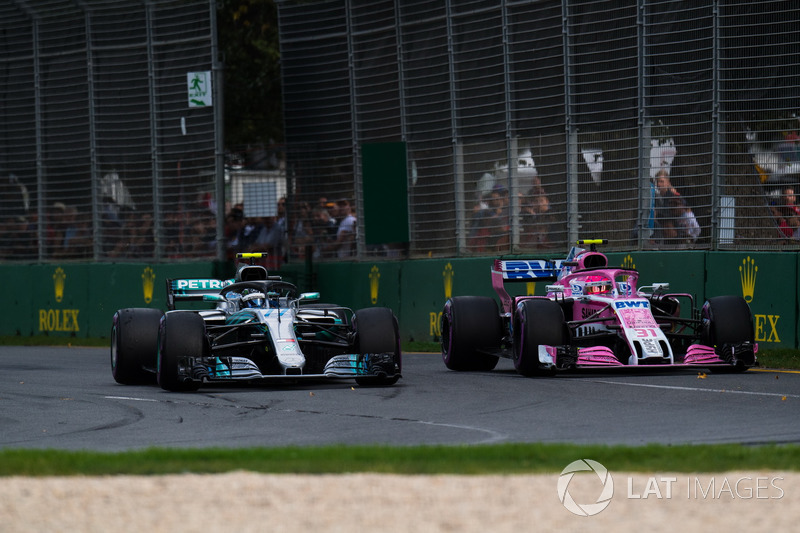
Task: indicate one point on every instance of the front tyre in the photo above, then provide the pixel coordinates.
(728, 328)
(537, 323)
(377, 336)
(181, 338)
(134, 345)
(471, 326)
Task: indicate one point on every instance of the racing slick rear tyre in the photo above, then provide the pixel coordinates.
(471, 325)
(182, 335)
(537, 323)
(134, 345)
(377, 332)
(728, 320)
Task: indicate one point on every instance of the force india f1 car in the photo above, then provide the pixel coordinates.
(259, 329)
(593, 316)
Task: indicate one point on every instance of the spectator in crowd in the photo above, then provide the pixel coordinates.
(675, 222)
(272, 237)
(687, 228)
(78, 242)
(324, 229)
(534, 209)
(787, 213)
(665, 219)
(345, 243)
(302, 235)
(497, 222)
(478, 232)
(54, 228)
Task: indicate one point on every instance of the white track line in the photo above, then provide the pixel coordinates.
(129, 398)
(698, 389)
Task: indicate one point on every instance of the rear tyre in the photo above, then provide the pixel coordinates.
(471, 325)
(377, 332)
(134, 345)
(728, 320)
(182, 336)
(537, 323)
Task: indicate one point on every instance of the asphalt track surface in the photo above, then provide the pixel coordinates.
(65, 398)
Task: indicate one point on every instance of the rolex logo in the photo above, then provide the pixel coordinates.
(628, 262)
(448, 280)
(58, 281)
(148, 279)
(374, 276)
(747, 273)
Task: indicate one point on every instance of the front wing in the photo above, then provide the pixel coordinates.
(344, 366)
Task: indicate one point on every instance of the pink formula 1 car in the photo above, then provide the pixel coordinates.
(593, 316)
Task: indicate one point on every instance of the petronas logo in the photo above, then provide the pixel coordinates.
(448, 280)
(58, 281)
(148, 279)
(747, 273)
(374, 276)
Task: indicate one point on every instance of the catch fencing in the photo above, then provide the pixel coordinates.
(110, 147)
(449, 128)
(528, 124)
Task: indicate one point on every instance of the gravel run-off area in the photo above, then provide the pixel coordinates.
(245, 501)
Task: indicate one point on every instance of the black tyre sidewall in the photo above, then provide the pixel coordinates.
(377, 331)
(470, 323)
(537, 322)
(134, 344)
(181, 334)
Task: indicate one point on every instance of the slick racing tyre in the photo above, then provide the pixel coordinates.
(376, 332)
(134, 345)
(537, 323)
(727, 320)
(182, 336)
(471, 326)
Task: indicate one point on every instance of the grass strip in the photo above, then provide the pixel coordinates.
(462, 460)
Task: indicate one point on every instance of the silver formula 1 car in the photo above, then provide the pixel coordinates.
(260, 328)
(593, 316)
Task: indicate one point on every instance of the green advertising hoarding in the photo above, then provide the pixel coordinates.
(78, 300)
(768, 282)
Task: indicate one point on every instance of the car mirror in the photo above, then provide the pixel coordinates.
(309, 296)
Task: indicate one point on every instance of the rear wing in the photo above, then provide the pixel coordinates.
(193, 289)
(527, 269)
(522, 270)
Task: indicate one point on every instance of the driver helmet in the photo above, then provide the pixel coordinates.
(597, 284)
(252, 298)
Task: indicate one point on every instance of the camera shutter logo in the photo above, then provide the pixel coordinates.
(585, 509)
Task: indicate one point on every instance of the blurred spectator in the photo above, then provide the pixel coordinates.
(324, 229)
(345, 243)
(302, 236)
(478, 232)
(534, 208)
(272, 237)
(497, 222)
(666, 218)
(787, 213)
(54, 228)
(688, 230)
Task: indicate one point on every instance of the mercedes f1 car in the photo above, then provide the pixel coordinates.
(259, 328)
(593, 316)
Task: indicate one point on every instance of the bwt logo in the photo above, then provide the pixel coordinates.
(585, 509)
(632, 304)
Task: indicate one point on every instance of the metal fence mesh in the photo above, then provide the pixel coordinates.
(528, 124)
(101, 157)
